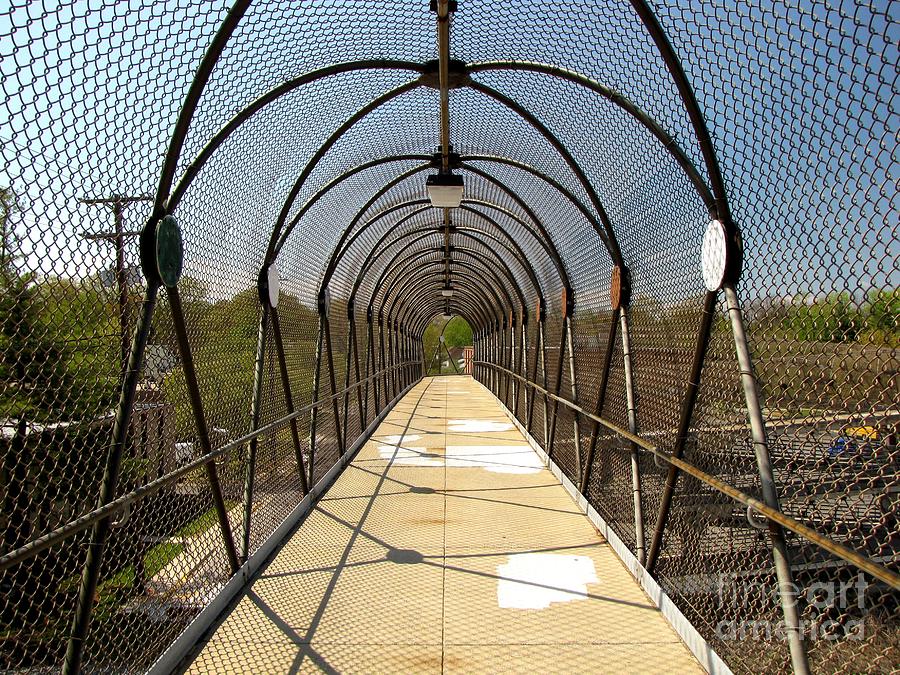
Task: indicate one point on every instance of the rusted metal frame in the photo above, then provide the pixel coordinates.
(687, 411)
(100, 529)
(289, 398)
(278, 238)
(601, 399)
(314, 413)
(255, 409)
(334, 402)
(628, 368)
(780, 552)
(573, 387)
(867, 565)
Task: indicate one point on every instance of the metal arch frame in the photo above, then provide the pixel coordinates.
(426, 279)
(346, 239)
(544, 241)
(484, 263)
(493, 309)
(427, 308)
(669, 143)
(608, 236)
(403, 281)
(415, 316)
(378, 250)
(194, 168)
(395, 267)
(648, 19)
(374, 104)
(510, 277)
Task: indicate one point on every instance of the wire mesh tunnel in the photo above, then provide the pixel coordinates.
(676, 245)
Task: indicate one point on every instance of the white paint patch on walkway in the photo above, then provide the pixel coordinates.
(535, 580)
(409, 456)
(519, 459)
(400, 440)
(478, 426)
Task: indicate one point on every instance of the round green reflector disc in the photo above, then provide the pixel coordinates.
(169, 251)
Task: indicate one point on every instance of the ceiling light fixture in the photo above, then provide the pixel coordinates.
(445, 190)
(447, 292)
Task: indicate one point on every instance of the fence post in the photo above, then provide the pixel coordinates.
(786, 588)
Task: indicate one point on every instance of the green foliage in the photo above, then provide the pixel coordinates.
(836, 318)
(457, 333)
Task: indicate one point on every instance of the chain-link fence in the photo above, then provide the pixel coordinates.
(219, 258)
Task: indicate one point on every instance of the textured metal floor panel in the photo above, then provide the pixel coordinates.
(445, 546)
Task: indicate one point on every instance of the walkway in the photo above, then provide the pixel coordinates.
(445, 546)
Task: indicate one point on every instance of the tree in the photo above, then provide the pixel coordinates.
(32, 364)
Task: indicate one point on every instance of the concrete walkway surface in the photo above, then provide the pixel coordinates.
(446, 546)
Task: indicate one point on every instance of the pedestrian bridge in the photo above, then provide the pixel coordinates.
(231, 229)
(446, 545)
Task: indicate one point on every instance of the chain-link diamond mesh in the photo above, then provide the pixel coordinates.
(596, 141)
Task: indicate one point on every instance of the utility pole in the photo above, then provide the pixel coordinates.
(117, 237)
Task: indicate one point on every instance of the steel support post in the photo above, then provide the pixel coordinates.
(193, 388)
(289, 398)
(530, 392)
(780, 553)
(558, 384)
(522, 369)
(684, 425)
(384, 369)
(371, 369)
(253, 445)
(90, 575)
(347, 367)
(314, 413)
(601, 400)
(359, 391)
(573, 386)
(335, 405)
(628, 367)
(546, 425)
